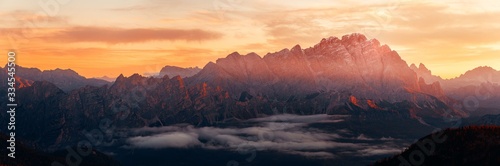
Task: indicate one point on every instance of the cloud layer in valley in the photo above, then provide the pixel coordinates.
(283, 133)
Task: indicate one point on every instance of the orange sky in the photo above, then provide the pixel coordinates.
(98, 38)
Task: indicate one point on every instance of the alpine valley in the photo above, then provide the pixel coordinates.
(343, 101)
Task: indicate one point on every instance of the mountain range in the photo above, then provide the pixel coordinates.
(477, 88)
(351, 75)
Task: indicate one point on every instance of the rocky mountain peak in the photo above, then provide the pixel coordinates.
(64, 72)
(423, 72)
(234, 55)
(120, 78)
(136, 76)
(375, 43)
(480, 71)
(123, 82)
(422, 67)
(327, 41)
(252, 56)
(353, 63)
(296, 49)
(283, 51)
(413, 66)
(354, 38)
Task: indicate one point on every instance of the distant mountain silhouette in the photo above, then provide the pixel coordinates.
(473, 145)
(66, 79)
(479, 86)
(474, 77)
(173, 71)
(106, 78)
(353, 63)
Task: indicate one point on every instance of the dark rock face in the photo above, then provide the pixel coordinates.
(489, 120)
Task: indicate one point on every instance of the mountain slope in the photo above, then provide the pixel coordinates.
(67, 79)
(477, 89)
(26, 156)
(464, 146)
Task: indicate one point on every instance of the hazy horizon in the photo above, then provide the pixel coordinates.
(155, 73)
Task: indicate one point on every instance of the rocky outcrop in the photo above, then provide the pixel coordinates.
(38, 114)
(426, 74)
(433, 89)
(352, 64)
(477, 91)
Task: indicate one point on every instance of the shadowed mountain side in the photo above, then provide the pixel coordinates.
(473, 145)
(26, 156)
(353, 65)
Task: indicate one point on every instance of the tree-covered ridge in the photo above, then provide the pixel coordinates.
(470, 145)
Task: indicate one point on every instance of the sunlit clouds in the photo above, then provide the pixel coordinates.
(449, 37)
(119, 35)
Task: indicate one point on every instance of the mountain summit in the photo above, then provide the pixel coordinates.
(352, 64)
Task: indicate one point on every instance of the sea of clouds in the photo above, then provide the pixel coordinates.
(282, 133)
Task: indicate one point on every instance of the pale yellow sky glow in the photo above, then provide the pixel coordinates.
(98, 38)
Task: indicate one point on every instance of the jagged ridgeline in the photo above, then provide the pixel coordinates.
(350, 75)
